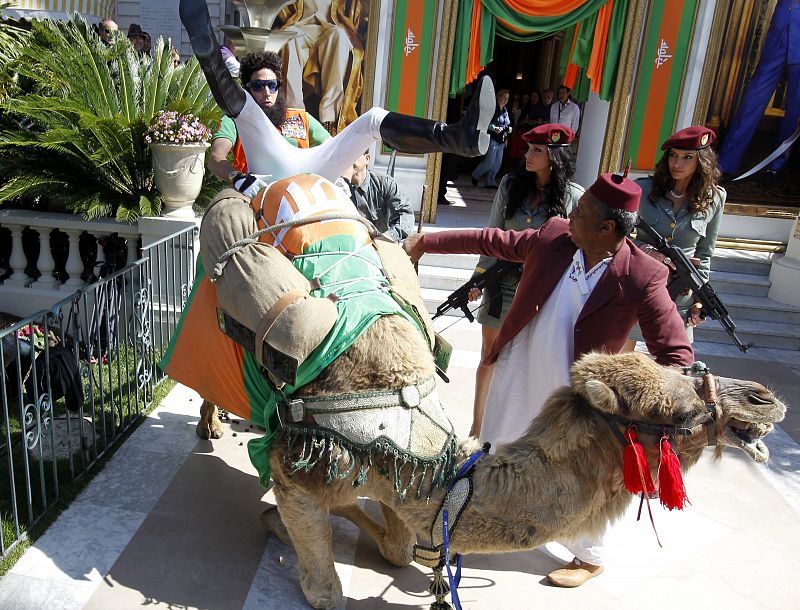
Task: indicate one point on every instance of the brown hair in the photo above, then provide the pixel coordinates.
(702, 187)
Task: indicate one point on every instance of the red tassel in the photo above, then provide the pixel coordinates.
(635, 471)
(671, 490)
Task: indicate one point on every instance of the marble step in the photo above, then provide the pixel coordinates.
(433, 297)
(453, 261)
(743, 261)
(733, 261)
(762, 334)
(773, 335)
(726, 282)
(762, 309)
(443, 278)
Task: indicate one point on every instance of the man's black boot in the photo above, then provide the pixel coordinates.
(467, 138)
(227, 93)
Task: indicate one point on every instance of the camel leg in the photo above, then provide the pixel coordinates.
(400, 539)
(272, 522)
(309, 528)
(209, 425)
(392, 538)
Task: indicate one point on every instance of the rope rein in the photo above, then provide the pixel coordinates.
(253, 239)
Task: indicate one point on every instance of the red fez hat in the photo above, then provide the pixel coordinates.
(550, 134)
(616, 191)
(690, 138)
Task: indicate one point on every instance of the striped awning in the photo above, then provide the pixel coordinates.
(91, 10)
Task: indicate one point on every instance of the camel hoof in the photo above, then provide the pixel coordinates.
(209, 430)
(216, 430)
(272, 522)
(319, 595)
(397, 556)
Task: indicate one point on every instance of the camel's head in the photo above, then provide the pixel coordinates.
(631, 386)
(747, 412)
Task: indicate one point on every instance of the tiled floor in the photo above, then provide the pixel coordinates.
(173, 522)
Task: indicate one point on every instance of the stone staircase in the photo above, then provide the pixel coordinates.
(741, 279)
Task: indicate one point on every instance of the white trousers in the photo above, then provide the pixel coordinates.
(269, 154)
(590, 550)
(332, 47)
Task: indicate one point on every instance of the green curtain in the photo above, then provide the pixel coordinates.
(499, 9)
(583, 49)
(536, 28)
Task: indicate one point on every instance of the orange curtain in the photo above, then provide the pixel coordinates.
(544, 8)
(571, 74)
(595, 69)
(474, 66)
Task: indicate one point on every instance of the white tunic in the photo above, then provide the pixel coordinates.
(537, 360)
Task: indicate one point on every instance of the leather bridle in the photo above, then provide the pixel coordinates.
(707, 420)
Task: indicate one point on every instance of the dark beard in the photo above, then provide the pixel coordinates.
(277, 112)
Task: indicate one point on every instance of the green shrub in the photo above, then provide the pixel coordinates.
(79, 141)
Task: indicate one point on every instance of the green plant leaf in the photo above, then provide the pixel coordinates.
(76, 137)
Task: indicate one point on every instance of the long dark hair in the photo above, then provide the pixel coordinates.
(522, 184)
(702, 187)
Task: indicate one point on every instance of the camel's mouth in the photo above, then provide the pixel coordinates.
(747, 436)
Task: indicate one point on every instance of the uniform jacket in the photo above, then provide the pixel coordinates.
(633, 288)
(694, 233)
(379, 200)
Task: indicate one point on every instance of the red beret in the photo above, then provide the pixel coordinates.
(550, 134)
(617, 192)
(690, 138)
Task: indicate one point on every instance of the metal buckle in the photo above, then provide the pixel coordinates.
(296, 409)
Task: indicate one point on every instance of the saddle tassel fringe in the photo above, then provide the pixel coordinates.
(671, 490)
(635, 471)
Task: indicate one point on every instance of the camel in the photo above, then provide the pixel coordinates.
(562, 479)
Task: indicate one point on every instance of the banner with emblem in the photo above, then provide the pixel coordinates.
(411, 56)
(661, 73)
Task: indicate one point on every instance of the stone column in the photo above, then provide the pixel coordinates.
(46, 265)
(74, 266)
(17, 261)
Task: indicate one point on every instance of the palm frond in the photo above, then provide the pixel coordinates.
(79, 135)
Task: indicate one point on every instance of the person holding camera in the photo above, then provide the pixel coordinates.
(498, 130)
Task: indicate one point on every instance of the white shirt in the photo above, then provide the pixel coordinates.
(538, 359)
(233, 66)
(566, 114)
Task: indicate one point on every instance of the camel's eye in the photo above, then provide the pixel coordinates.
(759, 400)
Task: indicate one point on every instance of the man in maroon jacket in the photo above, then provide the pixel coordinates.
(584, 286)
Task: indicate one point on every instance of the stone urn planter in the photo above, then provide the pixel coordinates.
(178, 172)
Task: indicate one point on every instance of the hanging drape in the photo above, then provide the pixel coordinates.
(591, 56)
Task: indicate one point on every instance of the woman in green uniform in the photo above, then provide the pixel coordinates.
(683, 202)
(539, 189)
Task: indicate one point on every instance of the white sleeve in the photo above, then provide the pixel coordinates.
(576, 119)
(233, 66)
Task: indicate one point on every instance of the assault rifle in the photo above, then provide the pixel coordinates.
(489, 279)
(686, 276)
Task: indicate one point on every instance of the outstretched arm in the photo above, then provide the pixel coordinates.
(509, 245)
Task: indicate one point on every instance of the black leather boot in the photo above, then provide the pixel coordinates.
(467, 138)
(227, 93)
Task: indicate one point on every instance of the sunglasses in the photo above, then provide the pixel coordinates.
(257, 86)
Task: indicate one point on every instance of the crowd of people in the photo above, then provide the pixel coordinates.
(582, 284)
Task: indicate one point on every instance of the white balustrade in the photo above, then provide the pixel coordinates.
(74, 267)
(19, 293)
(46, 264)
(100, 259)
(17, 261)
